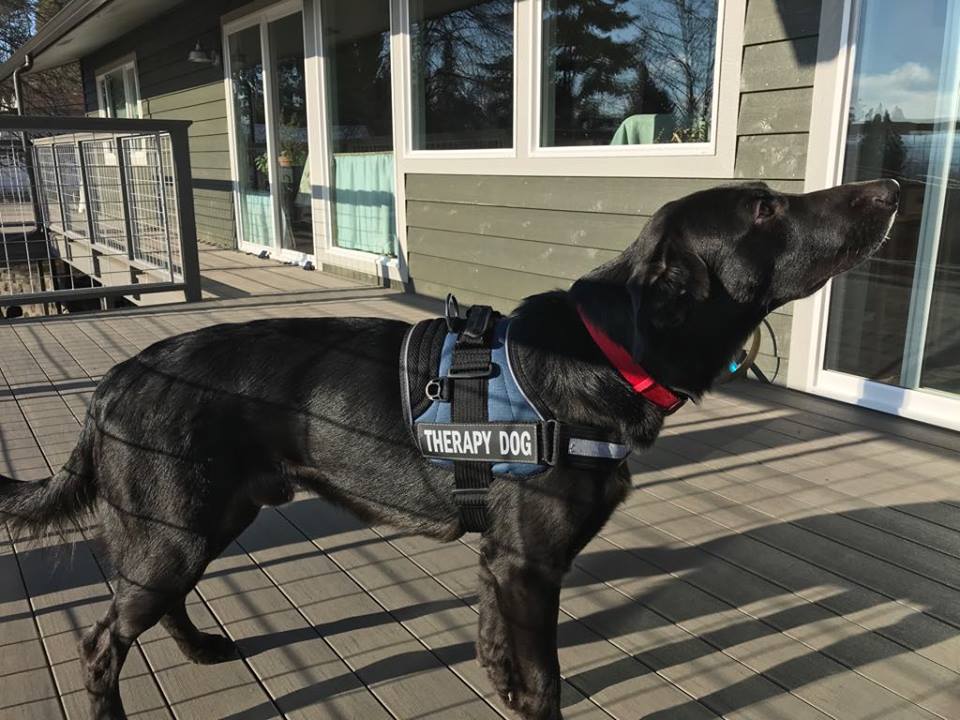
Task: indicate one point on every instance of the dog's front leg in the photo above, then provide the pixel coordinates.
(517, 639)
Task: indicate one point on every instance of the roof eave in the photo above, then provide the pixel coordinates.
(69, 17)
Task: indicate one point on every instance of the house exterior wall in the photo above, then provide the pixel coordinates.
(173, 88)
(497, 239)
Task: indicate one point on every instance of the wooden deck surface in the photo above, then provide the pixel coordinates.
(781, 556)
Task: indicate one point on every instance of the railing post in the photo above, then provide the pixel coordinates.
(91, 234)
(162, 199)
(183, 181)
(124, 197)
(28, 158)
(56, 174)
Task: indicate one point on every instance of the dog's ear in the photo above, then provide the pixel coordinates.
(665, 286)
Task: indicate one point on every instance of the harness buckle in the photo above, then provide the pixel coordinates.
(551, 442)
(479, 320)
(481, 371)
(438, 390)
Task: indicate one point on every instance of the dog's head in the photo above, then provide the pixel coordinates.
(708, 267)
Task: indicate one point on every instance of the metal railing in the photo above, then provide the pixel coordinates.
(95, 208)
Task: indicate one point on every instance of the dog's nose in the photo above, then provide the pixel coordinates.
(882, 193)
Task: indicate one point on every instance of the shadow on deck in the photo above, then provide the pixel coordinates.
(781, 556)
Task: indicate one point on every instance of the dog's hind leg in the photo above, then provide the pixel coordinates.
(198, 646)
(104, 648)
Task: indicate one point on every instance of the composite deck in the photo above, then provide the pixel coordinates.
(781, 556)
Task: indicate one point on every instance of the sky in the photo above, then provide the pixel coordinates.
(899, 57)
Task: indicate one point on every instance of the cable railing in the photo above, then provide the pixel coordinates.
(95, 208)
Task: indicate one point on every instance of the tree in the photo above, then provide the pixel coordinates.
(58, 91)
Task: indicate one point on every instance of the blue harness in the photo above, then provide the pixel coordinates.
(506, 401)
(464, 400)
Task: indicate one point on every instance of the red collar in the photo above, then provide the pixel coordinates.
(638, 378)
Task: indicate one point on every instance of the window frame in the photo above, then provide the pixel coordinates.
(668, 160)
(130, 89)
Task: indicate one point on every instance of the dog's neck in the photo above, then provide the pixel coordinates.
(578, 384)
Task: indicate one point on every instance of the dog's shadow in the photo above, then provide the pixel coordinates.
(823, 580)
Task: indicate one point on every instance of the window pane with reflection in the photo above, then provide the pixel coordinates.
(627, 72)
(462, 74)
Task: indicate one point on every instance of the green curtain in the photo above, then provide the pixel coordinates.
(364, 207)
(257, 217)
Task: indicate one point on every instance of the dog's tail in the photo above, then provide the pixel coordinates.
(65, 496)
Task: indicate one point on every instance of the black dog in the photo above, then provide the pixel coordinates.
(184, 443)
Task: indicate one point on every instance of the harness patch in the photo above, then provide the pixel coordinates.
(489, 442)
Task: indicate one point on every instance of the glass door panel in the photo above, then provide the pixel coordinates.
(253, 199)
(360, 117)
(290, 139)
(889, 319)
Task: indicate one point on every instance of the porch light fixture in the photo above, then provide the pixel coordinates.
(199, 55)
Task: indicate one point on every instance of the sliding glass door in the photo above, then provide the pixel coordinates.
(265, 68)
(893, 321)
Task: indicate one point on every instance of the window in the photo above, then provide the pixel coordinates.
(627, 72)
(461, 62)
(118, 91)
(359, 111)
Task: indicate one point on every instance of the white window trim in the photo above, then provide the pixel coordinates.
(127, 62)
(828, 131)
(705, 160)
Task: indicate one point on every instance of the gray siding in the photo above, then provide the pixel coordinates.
(497, 239)
(172, 88)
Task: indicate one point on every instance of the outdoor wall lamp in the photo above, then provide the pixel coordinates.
(199, 55)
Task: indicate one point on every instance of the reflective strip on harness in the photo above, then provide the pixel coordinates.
(582, 447)
(482, 442)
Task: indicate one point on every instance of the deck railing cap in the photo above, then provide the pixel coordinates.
(90, 124)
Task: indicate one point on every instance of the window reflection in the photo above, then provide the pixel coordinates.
(627, 72)
(462, 74)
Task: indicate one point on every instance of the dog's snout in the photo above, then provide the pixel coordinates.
(884, 194)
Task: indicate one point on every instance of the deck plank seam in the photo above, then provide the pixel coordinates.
(797, 524)
(777, 631)
(418, 640)
(313, 627)
(806, 561)
(454, 594)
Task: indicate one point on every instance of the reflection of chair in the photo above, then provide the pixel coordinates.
(644, 130)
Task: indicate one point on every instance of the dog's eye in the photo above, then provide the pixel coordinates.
(763, 210)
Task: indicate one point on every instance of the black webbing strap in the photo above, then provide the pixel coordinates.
(470, 369)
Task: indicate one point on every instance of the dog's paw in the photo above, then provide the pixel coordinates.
(209, 649)
(494, 656)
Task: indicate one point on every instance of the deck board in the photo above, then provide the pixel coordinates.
(781, 556)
